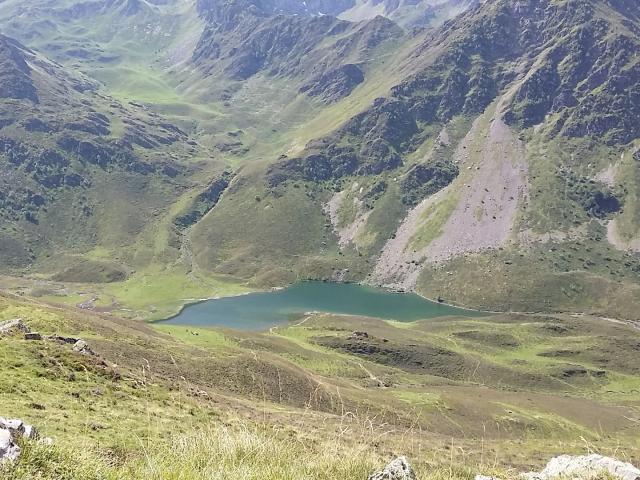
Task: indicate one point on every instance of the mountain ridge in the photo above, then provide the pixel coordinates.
(368, 138)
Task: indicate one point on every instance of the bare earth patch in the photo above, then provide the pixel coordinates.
(614, 238)
(346, 233)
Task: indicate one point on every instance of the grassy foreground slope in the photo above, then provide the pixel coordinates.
(313, 400)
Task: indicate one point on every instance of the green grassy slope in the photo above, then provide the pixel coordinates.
(159, 398)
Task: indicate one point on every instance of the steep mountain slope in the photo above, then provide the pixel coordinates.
(492, 149)
(315, 49)
(79, 169)
(498, 149)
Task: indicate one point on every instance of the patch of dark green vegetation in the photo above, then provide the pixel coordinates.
(498, 340)
(597, 199)
(205, 201)
(427, 178)
(92, 272)
(413, 356)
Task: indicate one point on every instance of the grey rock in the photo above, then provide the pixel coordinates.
(32, 336)
(398, 469)
(9, 326)
(359, 335)
(61, 339)
(9, 451)
(18, 428)
(29, 431)
(10, 431)
(82, 346)
(585, 467)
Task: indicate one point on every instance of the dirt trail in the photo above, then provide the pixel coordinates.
(372, 377)
(491, 183)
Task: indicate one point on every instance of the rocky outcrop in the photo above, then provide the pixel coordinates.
(9, 451)
(9, 327)
(585, 467)
(15, 73)
(398, 469)
(582, 467)
(427, 178)
(11, 431)
(334, 84)
(204, 202)
(82, 346)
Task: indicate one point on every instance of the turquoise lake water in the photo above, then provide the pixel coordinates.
(261, 310)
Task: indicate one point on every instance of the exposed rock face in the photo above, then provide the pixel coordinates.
(335, 84)
(214, 9)
(242, 38)
(585, 467)
(15, 73)
(398, 469)
(427, 178)
(205, 201)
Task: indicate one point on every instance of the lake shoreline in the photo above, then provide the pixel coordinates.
(385, 307)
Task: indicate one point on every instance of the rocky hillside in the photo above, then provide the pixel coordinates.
(501, 143)
(269, 143)
(325, 53)
(61, 143)
(409, 14)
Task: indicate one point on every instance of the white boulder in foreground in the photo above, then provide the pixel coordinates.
(10, 432)
(398, 469)
(585, 467)
(9, 451)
